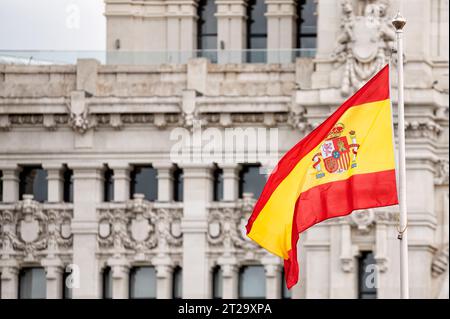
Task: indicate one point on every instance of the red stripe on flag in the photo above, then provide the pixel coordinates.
(337, 199)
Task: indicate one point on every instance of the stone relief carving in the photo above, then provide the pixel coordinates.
(78, 110)
(364, 44)
(363, 220)
(422, 129)
(440, 262)
(139, 226)
(442, 172)
(28, 228)
(226, 225)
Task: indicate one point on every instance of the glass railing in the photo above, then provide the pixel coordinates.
(153, 57)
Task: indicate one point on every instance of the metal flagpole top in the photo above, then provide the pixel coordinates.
(398, 22)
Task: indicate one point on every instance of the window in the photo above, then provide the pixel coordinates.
(252, 282)
(143, 181)
(251, 180)
(177, 283)
(33, 181)
(217, 283)
(68, 185)
(306, 24)
(256, 31)
(1, 186)
(67, 290)
(178, 185)
(32, 283)
(143, 282)
(218, 184)
(285, 292)
(207, 30)
(108, 185)
(367, 276)
(107, 283)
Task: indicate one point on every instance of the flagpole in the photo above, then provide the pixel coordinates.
(399, 22)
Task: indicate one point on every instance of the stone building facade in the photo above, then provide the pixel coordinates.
(89, 131)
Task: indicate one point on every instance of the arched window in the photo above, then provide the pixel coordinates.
(207, 29)
(33, 181)
(144, 181)
(217, 283)
(256, 31)
(285, 292)
(107, 283)
(67, 288)
(252, 282)
(367, 276)
(251, 180)
(108, 185)
(306, 25)
(1, 186)
(32, 283)
(218, 184)
(177, 283)
(68, 185)
(143, 282)
(178, 183)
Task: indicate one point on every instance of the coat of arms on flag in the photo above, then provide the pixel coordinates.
(300, 194)
(336, 152)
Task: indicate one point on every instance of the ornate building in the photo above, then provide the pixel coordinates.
(95, 203)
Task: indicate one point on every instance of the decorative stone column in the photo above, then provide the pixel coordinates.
(197, 195)
(230, 182)
(164, 272)
(9, 270)
(281, 18)
(272, 266)
(229, 268)
(232, 30)
(317, 262)
(10, 183)
(55, 181)
(121, 179)
(88, 193)
(54, 277)
(181, 30)
(165, 181)
(385, 240)
(343, 268)
(120, 277)
(421, 220)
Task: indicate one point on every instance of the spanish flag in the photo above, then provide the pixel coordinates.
(346, 163)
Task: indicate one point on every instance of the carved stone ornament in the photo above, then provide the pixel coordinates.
(28, 228)
(422, 129)
(139, 226)
(226, 225)
(364, 44)
(363, 220)
(441, 172)
(78, 110)
(440, 261)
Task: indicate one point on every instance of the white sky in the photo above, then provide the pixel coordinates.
(52, 25)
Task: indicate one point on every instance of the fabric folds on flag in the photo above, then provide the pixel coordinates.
(345, 164)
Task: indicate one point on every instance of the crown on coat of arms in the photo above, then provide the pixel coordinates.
(336, 131)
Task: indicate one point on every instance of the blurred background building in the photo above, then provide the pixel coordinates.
(92, 196)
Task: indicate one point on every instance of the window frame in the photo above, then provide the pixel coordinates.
(23, 183)
(20, 278)
(130, 282)
(240, 281)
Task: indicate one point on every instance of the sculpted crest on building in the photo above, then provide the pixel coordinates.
(119, 210)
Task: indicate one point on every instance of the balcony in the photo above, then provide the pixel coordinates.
(153, 57)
